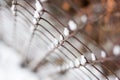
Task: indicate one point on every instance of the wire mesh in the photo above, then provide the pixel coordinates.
(50, 36)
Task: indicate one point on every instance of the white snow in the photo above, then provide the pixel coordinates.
(36, 14)
(83, 60)
(72, 25)
(84, 18)
(34, 21)
(93, 57)
(39, 7)
(66, 31)
(77, 62)
(43, 0)
(103, 54)
(56, 42)
(13, 9)
(116, 50)
(10, 68)
(61, 38)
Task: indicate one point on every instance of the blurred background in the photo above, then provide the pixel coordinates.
(59, 39)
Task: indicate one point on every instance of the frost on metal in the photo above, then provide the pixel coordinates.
(66, 32)
(84, 18)
(38, 6)
(55, 42)
(35, 21)
(93, 56)
(72, 25)
(82, 60)
(103, 54)
(77, 63)
(13, 7)
(116, 50)
(36, 14)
